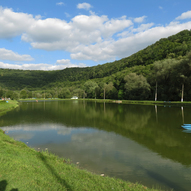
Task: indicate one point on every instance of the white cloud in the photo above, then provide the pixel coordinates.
(185, 15)
(85, 6)
(42, 66)
(143, 27)
(56, 34)
(86, 37)
(48, 30)
(140, 19)
(67, 14)
(160, 7)
(60, 3)
(12, 56)
(13, 24)
(123, 47)
(63, 61)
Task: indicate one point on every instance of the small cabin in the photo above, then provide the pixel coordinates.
(74, 97)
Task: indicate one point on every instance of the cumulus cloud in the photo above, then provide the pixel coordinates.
(13, 24)
(185, 15)
(126, 46)
(140, 19)
(60, 3)
(85, 6)
(12, 56)
(67, 64)
(63, 61)
(86, 37)
(55, 34)
(60, 65)
(143, 27)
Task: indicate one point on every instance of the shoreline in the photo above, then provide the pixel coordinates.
(8, 105)
(25, 168)
(139, 102)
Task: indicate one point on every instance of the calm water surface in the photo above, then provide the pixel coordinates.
(137, 143)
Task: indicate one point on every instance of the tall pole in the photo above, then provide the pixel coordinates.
(156, 92)
(182, 93)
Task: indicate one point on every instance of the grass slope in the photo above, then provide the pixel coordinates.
(7, 106)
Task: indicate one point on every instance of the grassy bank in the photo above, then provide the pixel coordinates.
(23, 168)
(7, 106)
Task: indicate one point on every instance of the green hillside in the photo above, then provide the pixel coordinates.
(165, 64)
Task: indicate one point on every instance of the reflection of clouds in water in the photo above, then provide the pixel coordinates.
(32, 127)
(109, 152)
(68, 130)
(44, 127)
(23, 136)
(64, 131)
(35, 127)
(103, 152)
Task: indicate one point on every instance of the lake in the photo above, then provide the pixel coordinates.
(144, 144)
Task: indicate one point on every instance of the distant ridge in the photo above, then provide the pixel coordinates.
(175, 46)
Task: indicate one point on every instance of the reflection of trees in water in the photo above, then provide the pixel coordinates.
(112, 117)
(133, 121)
(166, 137)
(137, 118)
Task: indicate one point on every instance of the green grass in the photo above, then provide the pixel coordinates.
(7, 106)
(23, 168)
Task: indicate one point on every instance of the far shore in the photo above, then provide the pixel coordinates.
(139, 102)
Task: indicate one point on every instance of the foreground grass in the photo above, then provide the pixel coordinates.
(23, 168)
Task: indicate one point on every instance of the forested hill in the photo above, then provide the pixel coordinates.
(141, 67)
(172, 47)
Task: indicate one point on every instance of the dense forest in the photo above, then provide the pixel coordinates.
(161, 71)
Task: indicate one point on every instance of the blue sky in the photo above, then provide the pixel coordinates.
(53, 35)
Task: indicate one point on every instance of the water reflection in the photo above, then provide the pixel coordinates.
(156, 113)
(182, 109)
(136, 143)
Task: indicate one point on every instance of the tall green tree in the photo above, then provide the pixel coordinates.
(78, 92)
(90, 88)
(109, 91)
(64, 93)
(162, 72)
(1, 92)
(23, 94)
(136, 87)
